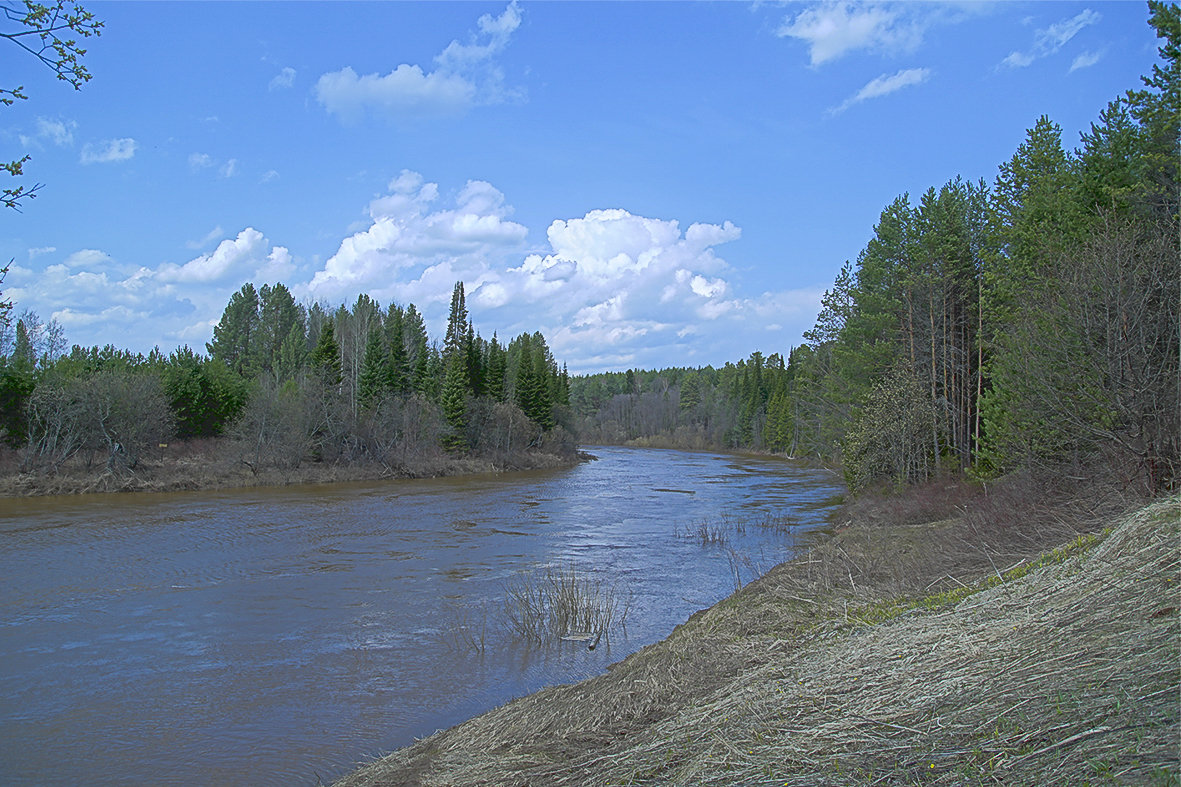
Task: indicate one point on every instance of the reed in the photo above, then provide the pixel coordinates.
(544, 606)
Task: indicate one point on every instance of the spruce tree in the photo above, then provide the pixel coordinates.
(325, 360)
(496, 369)
(454, 401)
(374, 369)
(397, 363)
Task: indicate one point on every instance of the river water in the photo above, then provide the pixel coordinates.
(283, 636)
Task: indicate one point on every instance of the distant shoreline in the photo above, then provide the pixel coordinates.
(205, 467)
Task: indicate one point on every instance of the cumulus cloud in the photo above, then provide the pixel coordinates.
(238, 259)
(109, 151)
(101, 300)
(465, 75)
(284, 79)
(1050, 40)
(405, 234)
(86, 258)
(609, 289)
(885, 85)
(618, 290)
(833, 29)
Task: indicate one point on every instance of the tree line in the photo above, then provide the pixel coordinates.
(1031, 323)
(285, 383)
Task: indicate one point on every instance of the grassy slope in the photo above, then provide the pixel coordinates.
(970, 650)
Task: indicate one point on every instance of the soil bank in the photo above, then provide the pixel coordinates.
(180, 467)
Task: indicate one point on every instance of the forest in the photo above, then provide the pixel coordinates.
(1028, 324)
(284, 385)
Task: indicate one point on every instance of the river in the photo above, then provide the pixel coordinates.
(283, 636)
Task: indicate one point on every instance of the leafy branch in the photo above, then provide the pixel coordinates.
(50, 33)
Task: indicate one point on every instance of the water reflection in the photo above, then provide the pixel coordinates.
(281, 636)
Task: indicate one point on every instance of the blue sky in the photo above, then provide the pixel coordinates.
(648, 184)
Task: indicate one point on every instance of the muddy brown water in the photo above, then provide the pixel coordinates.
(283, 636)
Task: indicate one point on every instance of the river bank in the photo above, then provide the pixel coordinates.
(207, 464)
(951, 636)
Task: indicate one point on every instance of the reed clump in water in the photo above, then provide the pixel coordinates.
(546, 605)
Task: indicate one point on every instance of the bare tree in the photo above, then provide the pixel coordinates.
(1094, 361)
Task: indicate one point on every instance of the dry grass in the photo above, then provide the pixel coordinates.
(212, 464)
(545, 605)
(951, 652)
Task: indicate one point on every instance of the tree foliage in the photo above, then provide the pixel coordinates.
(50, 33)
(1032, 323)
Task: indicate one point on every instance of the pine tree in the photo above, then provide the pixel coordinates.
(279, 315)
(235, 337)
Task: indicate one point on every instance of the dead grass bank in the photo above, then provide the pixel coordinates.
(1033, 644)
(205, 464)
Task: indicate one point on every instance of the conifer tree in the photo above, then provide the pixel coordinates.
(279, 315)
(374, 369)
(293, 354)
(235, 337)
(397, 364)
(454, 401)
(494, 381)
(325, 360)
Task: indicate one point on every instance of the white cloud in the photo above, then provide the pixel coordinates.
(1059, 34)
(200, 161)
(40, 250)
(100, 300)
(610, 289)
(1085, 60)
(465, 75)
(885, 85)
(210, 237)
(1018, 60)
(87, 258)
(1050, 40)
(109, 151)
(833, 29)
(203, 161)
(232, 258)
(284, 79)
(56, 132)
(404, 234)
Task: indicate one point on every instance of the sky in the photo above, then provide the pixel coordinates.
(648, 184)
